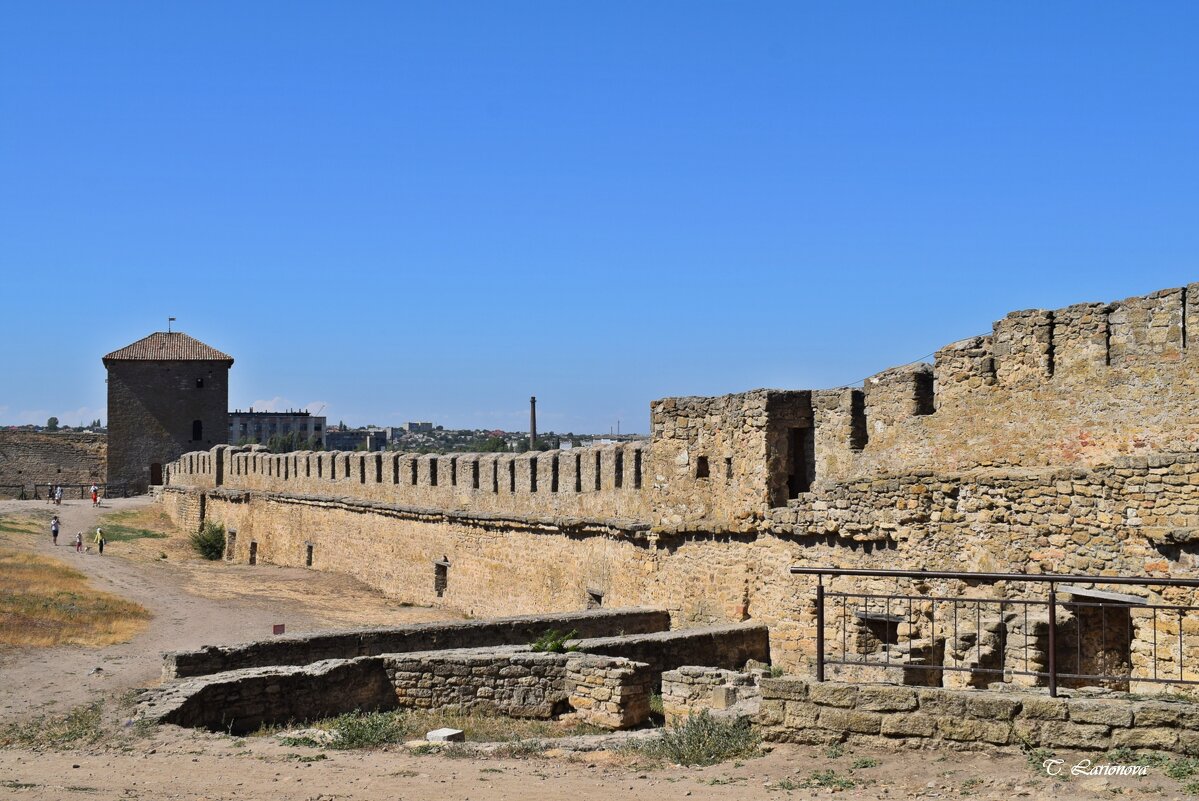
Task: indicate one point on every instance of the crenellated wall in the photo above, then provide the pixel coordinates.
(1065, 440)
(597, 482)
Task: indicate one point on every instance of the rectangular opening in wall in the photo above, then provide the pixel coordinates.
(307, 467)
(441, 577)
(453, 471)
(495, 475)
(395, 470)
(412, 477)
(800, 460)
(308, 555)
(253, 553)
(637, 469)
(598, 473)
(595, 598)
(701, 467)
(512, 476)
(578, 472)
(361, 469)
(532, 474)
(432, 472)
(320, 467)
(859, 435)
(474, 474)
(618, 470)
(728, 469)
(553, 474)
(348, 468)
(230, 544)
(925, 400)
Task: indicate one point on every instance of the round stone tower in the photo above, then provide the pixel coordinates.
(167, 394)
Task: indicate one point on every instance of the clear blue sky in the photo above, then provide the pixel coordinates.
(431, 211)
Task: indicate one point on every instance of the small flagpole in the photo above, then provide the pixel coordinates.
(169, 321)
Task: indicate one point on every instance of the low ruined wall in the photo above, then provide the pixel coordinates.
(243, 700)
(33, 457)
(609, 692)
(693, 688)
(728, 646)
(305, 649)
(519, 685)
(802, 711)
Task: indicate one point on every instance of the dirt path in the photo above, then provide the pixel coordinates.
(193, 603)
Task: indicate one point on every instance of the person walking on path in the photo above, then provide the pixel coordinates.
(79, 542)
(58, 495)
(99, 540)
(95, 495)
(54, 529)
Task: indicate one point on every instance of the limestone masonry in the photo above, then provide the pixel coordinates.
(1063, 441)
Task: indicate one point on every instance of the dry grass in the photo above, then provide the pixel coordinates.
(43, 602)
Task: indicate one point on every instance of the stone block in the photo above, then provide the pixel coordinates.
(800, 714)
(886, 699)
(942, 703)
(785, 689)
(839, 695)
(1043, 709)
(1063, 734)
(1161, 738)
(914, 724)
(446, 736)
(1155, 714)
(991, 706)
(1106, 713)
(845, 720)
(974, 730)
(723, 697)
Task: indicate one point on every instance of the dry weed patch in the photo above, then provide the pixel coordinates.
(45, 602)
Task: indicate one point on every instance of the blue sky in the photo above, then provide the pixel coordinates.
(410, 211)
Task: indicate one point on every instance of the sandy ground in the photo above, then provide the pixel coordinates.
(196, 602)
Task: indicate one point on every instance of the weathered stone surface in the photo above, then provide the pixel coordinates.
(1161, 738)
(909, 725)
(1063, 734)
(886, 699)
(1107, 713)
(839, 695)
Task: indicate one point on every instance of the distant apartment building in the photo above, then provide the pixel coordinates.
(423, 425)
(251, 427)
(369, 439)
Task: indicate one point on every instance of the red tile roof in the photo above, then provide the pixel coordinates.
(173, 346)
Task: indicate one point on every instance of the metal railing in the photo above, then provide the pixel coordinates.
(46, 490)
(1049, 640)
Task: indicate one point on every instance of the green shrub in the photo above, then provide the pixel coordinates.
(702, 740)
(554, 641)
(209, 541)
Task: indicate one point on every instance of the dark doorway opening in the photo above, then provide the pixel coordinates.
(253, 553)
(308, 555)
(800, 460)
(441, 577)
(197, 430)
(156, 475)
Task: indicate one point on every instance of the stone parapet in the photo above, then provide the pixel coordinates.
(304, 649)
(804, 711)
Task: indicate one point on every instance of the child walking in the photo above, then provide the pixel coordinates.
(54, 529)
(79, 542)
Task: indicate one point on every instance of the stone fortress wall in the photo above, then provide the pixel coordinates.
(28, 457)
(1064, 441)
